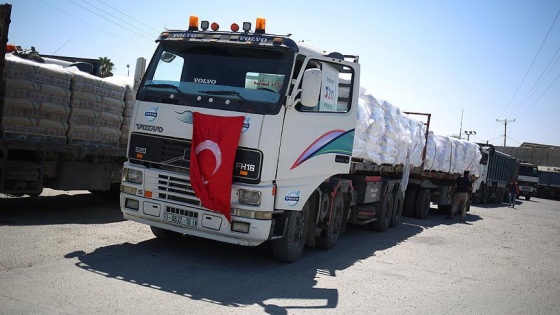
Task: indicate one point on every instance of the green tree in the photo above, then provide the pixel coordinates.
(107, 67)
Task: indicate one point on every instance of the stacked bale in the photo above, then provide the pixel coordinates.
(129, 101)
(384, 135)
(96, 111)
(36, 103)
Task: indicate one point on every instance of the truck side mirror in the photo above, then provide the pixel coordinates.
(167, 57)
(311, 87)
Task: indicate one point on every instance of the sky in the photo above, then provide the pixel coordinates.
(489, 67)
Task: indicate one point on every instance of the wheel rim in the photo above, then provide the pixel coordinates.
(299, 228)
(338, 218)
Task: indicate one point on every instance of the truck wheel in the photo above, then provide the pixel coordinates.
(409, 199)
(483, 194)
(290, 247)
(329, 237)
(398, 205)
(527, 197)
(422, 206)
(164, 234)
(475, 198)
(383, 216)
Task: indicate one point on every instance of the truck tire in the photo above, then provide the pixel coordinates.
(383, 216)
(409, 200)
(329, 236)
(483, 194)
(475, 198)
(290, 247)
(164, 234)
(422, 205)
(398, 205)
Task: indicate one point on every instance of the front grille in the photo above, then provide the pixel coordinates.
(176, 189)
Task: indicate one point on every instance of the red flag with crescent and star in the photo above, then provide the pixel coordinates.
(213, 149)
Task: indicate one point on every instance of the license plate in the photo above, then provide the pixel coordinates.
(179, 219)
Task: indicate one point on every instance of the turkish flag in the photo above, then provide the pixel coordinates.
(213, 149)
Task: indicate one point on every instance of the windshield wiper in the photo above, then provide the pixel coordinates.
(170, 86)
(166, 86)
(224, 92)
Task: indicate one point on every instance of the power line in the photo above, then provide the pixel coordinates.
(551, 84)
(110, 20)
(130, 17)
(116, 17)
(539, 81)
(533, 62)
(81, 20)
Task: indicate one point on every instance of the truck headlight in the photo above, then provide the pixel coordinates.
(133, 176)
(249, 197)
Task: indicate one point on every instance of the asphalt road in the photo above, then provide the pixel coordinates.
(74, 254)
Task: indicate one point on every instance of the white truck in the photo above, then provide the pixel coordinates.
(300, 149)
(527, 179)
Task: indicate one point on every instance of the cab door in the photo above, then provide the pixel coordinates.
(317, 142)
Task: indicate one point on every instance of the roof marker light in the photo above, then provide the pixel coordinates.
(246, 26)
(260, 26)
(193, 23)
(215, 26)
(234, 27)
(204, 25)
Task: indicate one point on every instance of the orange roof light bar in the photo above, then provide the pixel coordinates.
(193, 23)
(260, 26)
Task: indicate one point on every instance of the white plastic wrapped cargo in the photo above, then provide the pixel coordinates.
(438, 153)
(418, 141)
(370, 128)
(451, 155)
(384, 135)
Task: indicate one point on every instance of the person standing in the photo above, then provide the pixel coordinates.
(513, 192)
(463, 186)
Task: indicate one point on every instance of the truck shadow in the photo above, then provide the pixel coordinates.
(237, 276)
(80, 208)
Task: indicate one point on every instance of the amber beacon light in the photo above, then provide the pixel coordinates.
(260, 26)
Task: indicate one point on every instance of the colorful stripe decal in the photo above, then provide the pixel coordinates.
(334, 141)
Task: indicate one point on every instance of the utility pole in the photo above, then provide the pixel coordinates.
(505, 122)
(461, 127)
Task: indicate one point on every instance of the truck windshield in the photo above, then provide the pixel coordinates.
(528, 170)
(230, 77)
